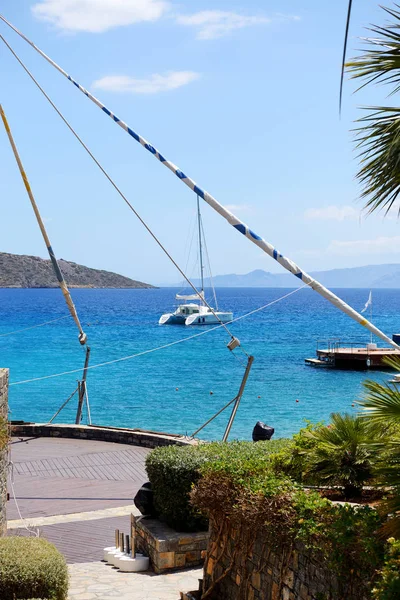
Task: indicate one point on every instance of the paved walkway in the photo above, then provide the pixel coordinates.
(98, 581)
(75, 493)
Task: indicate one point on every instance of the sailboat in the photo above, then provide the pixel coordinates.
(191, 312)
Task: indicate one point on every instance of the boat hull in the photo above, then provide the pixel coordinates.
(172, 319)
(209, 318)
(196, 319)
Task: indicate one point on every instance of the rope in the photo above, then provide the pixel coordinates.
(213, 417)
(89, 417)
(105, 173)
(34, 326)
(62, 406)
(209, 267)
(151, 350)
(29, 529)
(55, 265)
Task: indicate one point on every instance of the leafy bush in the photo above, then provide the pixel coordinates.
(31, 568)
(173, 470)
(292, 458)
(388, 586)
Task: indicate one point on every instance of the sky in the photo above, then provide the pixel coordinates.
(242, 96)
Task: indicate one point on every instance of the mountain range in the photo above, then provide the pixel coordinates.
(21, 271)
(370, 276)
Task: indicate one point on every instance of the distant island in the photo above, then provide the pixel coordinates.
(20, 271)
(370, 276)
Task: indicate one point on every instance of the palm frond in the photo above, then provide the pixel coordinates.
(379, 144)
(343, 453)
(381, 64)
(346, 37)
(381, 402)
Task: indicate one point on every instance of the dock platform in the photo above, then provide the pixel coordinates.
(337, 355)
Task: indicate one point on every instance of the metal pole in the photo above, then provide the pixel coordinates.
(56, 267)
(133, 536)
(82, 387)
(213, 417)
(238, 398)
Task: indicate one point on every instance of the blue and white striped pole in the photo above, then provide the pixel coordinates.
(230, 217)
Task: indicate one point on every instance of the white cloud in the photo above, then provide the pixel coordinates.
(379, 245)
(212, 24)
(332, 213)
(152, 85)
(97, 16)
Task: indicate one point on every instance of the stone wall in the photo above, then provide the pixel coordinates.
(3, 453)
(118, 435)
(169, 550)
(257, 573)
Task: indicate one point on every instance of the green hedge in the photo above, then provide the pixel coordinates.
(31, 568)
(173, 470)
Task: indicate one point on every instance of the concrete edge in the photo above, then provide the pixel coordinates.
(135, 437)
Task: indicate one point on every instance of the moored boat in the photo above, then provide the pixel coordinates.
(200, 313)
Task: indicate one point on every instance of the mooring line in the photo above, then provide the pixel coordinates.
(163, 347)
(35, 326)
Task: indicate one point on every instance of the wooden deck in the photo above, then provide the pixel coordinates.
(61, 476)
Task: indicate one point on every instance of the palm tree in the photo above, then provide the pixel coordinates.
(381, 405)
(378, 137)
(342, 454)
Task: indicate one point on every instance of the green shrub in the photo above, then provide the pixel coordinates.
(173, 470)
(31, 568)
(388, 586)
(292, 458)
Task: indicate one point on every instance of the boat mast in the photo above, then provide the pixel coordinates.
(200, 246)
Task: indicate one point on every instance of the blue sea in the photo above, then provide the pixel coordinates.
(178, 388)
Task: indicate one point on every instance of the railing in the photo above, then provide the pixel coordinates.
(332, 344)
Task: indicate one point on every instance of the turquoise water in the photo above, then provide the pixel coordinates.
(169, 390)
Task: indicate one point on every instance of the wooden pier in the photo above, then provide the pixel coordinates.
(351, 356)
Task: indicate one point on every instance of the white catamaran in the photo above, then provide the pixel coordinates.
(196, 313)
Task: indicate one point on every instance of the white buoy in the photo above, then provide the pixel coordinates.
(128, 564)
(108, 553)
(125, 562)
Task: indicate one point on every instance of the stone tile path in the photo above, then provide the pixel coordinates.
(98, 581)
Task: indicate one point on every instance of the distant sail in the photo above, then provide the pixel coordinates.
(368, 303)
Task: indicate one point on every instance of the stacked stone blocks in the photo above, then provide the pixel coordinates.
(168, 549)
